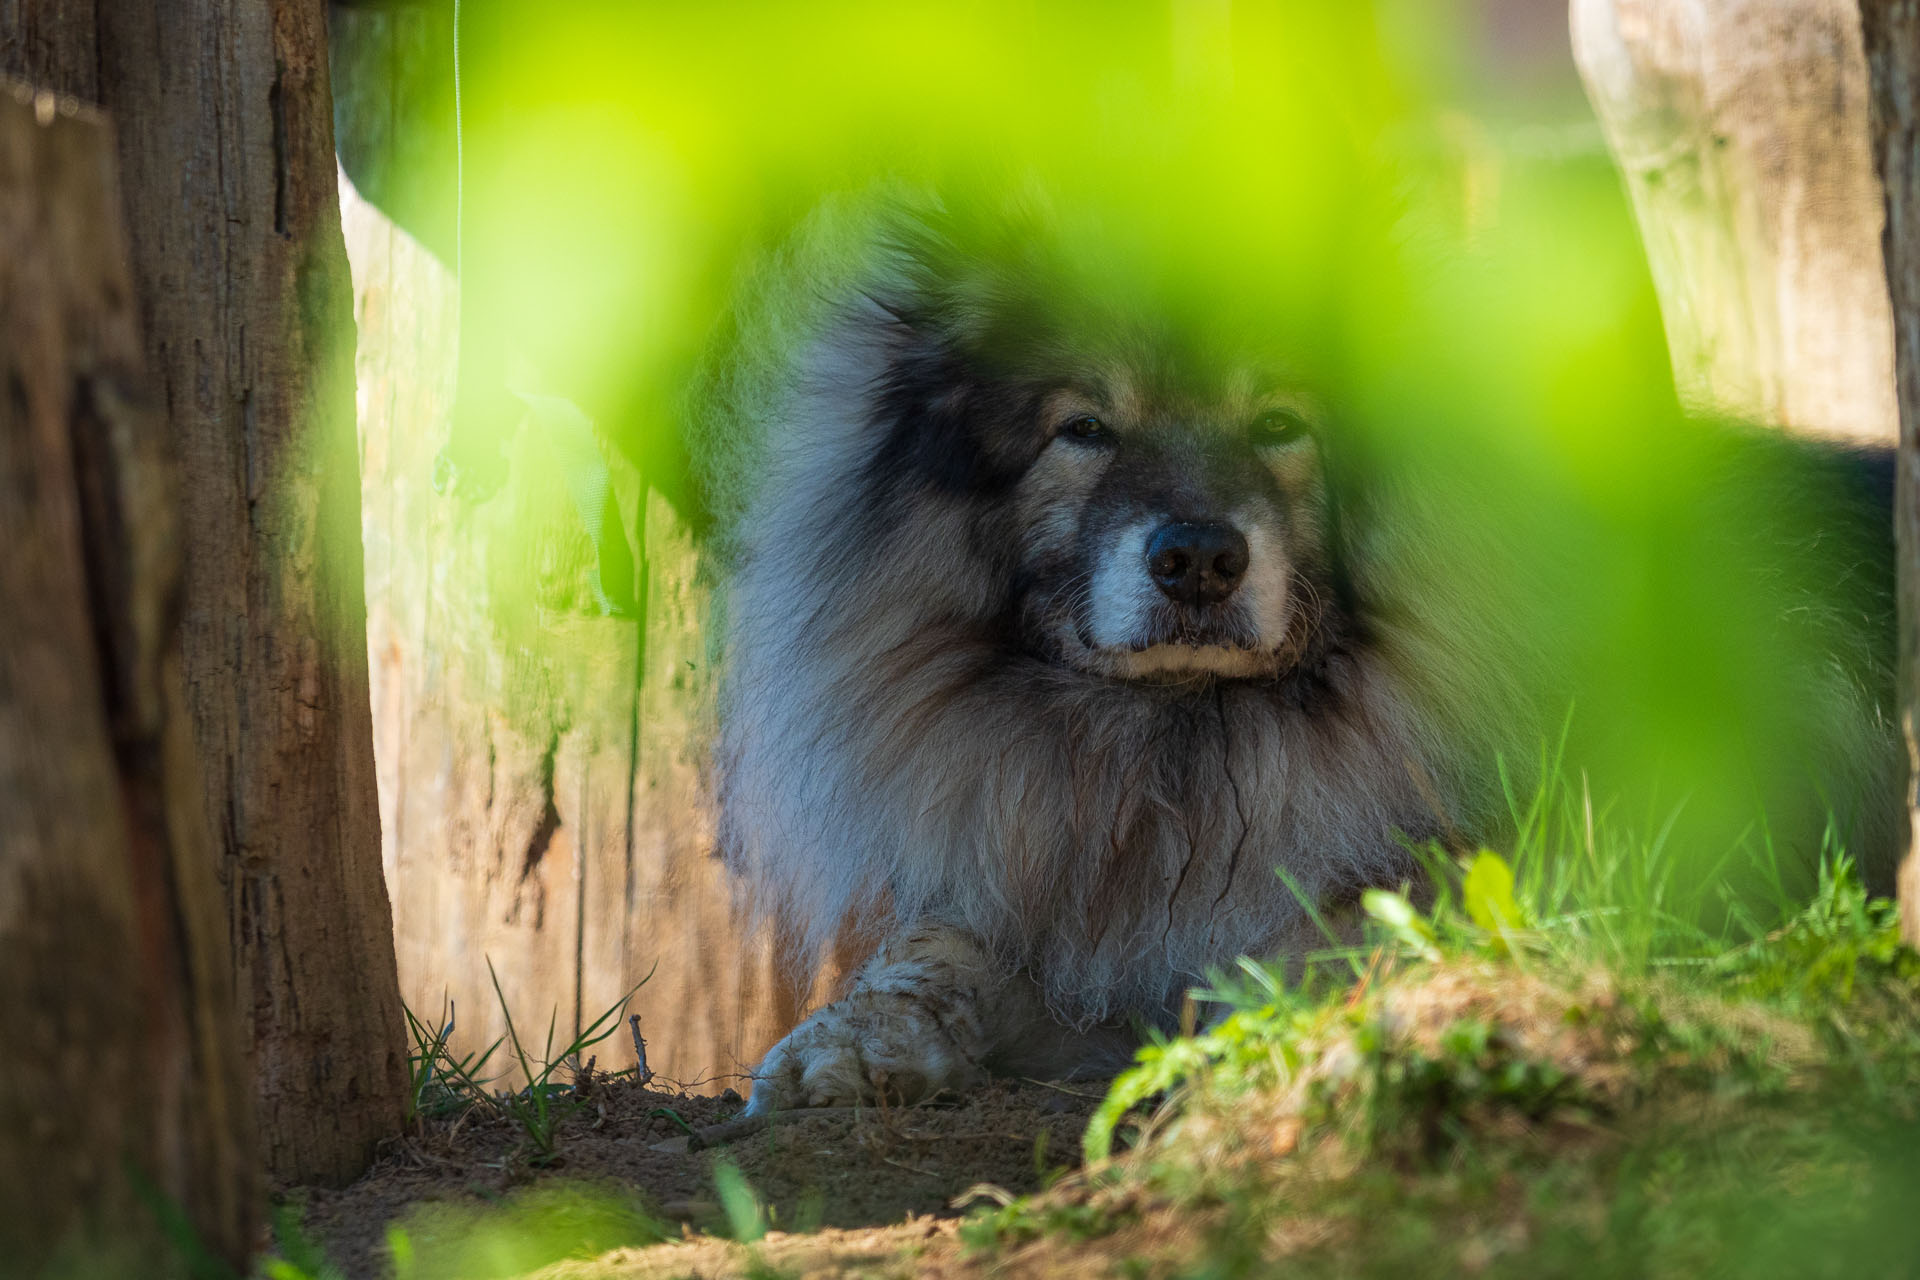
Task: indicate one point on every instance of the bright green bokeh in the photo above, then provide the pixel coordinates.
(1322, 175)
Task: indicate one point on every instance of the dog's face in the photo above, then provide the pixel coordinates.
(1147, 474)
(1159, 510)
(1168, 534)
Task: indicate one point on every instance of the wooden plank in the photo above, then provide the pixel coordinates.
(544, 801)
(544, 791)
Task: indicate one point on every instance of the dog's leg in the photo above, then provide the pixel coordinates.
(922, 1015)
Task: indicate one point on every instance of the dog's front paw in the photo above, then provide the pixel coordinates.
(872, 1045)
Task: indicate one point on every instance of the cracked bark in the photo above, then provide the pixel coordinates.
(226, 149)
(121, 1041)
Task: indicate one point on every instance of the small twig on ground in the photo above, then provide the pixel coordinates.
(1060, 1088)
(983, 1135)
(716, 1135)
(639, 1049)
(1366, 979)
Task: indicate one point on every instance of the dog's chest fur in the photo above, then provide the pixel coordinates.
(1115, 841)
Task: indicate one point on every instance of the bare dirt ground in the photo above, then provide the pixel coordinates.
(899, 1170)
(1474, 1114)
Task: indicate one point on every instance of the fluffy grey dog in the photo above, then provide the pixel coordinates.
(1059, 614)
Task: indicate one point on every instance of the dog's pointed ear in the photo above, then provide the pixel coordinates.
(894, 305)
(917, 270)
(962, 280)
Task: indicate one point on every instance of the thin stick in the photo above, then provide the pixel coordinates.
(1060, 1088)
(718, 1135)
(645, 1073)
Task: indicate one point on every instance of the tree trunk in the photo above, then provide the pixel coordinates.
(1740, 127)
(226, 149)
(1892, 31)
(121, 1048)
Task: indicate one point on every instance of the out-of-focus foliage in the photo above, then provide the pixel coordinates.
(532, 1228)
(1320, 174)
(620, 157)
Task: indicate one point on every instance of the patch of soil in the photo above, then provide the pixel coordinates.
(856, 1169)
(920, 1248)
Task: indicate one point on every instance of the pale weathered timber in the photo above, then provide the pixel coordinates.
(1740, 127)
(542, 782)
(121, 1046)
(542, 793)
(226, 151)
(1892, 34)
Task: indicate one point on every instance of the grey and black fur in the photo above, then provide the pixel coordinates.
(979, 700)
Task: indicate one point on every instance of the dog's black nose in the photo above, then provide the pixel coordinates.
(1197, 563)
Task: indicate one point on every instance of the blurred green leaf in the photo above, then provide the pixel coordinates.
(1403, 920)
(746, 1215)
(1488, 895)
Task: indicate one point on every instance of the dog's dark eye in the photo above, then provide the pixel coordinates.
(1277, 427)
(1086, 427)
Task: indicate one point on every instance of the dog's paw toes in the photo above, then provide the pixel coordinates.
(847, 1055)
(807, 1069)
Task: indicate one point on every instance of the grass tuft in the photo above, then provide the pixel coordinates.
(443, 1084)
(1581, 1056)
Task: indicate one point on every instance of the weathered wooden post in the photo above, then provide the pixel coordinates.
(121, 1059)
(1740, 128)
(541, 758)
(1892, 31)
(1754, 142)
(227, 164)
